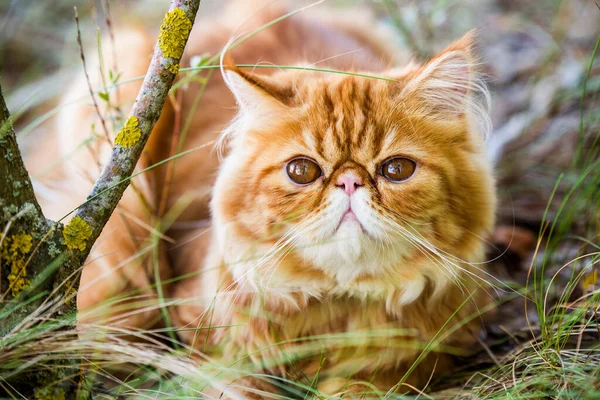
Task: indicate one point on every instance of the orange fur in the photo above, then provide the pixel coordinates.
(274, 265)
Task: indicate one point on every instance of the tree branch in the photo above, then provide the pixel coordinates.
(39, 256)
(22, 223)
(91, 217)
(12, 167)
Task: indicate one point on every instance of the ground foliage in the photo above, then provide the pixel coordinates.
(538, 58)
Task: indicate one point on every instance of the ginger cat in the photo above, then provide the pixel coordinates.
(344, 205)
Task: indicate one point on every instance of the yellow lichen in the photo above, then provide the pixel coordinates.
(174, 32)
(70, 295)
(13, 252)
(173, 68)
(49, 393)
(590, 281)
(129, 134)
(76, 233)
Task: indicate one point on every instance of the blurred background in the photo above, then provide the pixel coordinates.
(535, 54)
(538, 58)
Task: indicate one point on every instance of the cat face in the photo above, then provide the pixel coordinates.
(355, 175)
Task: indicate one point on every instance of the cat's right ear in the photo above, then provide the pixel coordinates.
(257, 94)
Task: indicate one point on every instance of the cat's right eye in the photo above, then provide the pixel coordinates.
(303, 171)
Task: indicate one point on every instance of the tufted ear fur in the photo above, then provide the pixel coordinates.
(257, 94)
(446, 86)
(261, 100)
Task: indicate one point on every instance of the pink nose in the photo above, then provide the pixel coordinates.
(349, 182)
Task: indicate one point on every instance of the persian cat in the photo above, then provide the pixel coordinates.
(341, 234)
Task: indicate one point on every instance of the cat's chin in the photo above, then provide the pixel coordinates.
(351, 252)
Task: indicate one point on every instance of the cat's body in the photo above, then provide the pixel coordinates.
(305, 288)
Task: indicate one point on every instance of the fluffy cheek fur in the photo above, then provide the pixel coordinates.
(347, 123)
(253, 199)
(258, 204)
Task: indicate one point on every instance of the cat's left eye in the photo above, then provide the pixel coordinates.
(303, 171)
(398, 169)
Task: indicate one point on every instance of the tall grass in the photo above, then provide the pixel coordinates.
(559, 359)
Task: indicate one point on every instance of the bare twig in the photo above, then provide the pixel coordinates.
(87, 78)
(111, 34)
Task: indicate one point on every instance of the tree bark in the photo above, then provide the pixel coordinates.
(30, 243)
(40, 259)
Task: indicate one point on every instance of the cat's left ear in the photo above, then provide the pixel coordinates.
(443, 87)
(256, 94)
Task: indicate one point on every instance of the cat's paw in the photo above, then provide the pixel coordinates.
(255, 341)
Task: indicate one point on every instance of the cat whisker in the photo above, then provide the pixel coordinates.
(448, 256)
(453, 262)
(280, 249)
(446, 268)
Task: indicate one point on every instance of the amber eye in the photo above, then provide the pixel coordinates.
(303, 171)
(398, 169)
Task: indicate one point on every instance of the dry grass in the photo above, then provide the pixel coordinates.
(540, 60)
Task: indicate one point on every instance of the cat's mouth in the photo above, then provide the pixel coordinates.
(349, 217)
